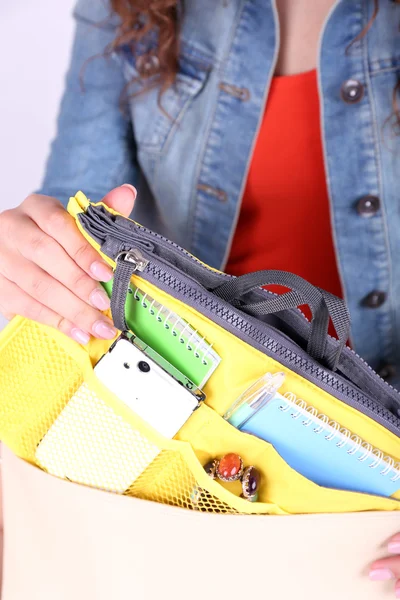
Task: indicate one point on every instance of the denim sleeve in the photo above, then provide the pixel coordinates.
(93, 150)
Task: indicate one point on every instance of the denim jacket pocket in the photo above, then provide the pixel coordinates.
(155, 118)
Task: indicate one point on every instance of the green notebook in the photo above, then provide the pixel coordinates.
(169, 335)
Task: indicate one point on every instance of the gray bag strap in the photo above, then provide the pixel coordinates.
(323, 306)
(122, 278)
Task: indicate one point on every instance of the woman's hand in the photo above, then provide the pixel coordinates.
(49, 272)
(388, 568)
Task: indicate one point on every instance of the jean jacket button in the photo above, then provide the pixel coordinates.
(352, 91)
(368, 206)
(374, 299)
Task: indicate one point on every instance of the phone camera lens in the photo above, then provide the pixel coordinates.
(144, 366)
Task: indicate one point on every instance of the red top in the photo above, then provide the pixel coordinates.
(284, 221)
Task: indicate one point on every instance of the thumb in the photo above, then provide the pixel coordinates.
(121, 199)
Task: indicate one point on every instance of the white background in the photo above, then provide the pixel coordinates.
(35, 43)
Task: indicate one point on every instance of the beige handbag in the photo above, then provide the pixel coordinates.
(68, 542)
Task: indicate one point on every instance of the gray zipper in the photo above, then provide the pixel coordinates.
(139, 242)
(280, 348)
(172, 246)
(135, 257)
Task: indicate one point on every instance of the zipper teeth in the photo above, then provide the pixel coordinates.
(264, 340)
(222, 274)
(374, 372)
(177, 247)
(204, 266)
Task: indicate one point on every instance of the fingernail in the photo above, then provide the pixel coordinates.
(397, 592)
(133, 189)
(100, 300)
(101, 271)
(380, 574)
(104, 330)
(394, 547)
(80, 336)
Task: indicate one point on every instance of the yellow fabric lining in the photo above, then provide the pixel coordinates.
(40, 369)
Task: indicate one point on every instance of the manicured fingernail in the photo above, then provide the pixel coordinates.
(101, 271)
(100, 300)
(380, 574)
(394, 547)
(397, 592)
(80, 336)
(129, 186)
(104, 330)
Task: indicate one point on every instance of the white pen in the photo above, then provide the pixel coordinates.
(254, 398)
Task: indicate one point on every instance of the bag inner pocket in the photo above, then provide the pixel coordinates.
(212, 437)
(41, 371)
(57, 415)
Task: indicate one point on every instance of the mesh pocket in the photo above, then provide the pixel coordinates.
(90, 444)
(169, 480)
(56, 414)
(50, 416)
(37, 378)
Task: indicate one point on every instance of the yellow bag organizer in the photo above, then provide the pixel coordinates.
(41, 369)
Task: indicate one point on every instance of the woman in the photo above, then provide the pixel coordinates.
(258, 136)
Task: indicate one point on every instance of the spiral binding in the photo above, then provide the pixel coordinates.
(350, 442)
(178, 326)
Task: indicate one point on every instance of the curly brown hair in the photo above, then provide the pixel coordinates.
(141, 17)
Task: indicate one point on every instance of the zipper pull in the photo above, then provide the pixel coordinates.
(135, 257)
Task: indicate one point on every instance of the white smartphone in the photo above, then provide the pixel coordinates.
(90, 444)
(146, 388)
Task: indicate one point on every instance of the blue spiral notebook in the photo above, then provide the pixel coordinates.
(320, 449)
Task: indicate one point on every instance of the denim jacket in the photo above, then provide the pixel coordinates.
(190, 158)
